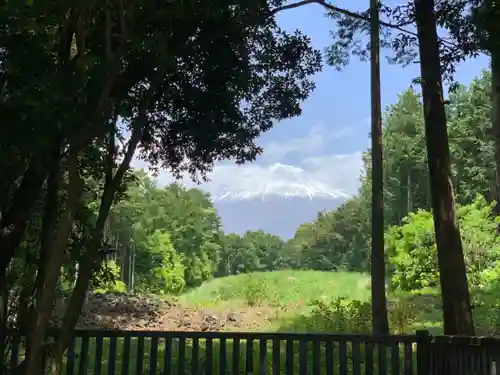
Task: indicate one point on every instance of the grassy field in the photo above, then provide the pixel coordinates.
(280, 288)
(293, 297)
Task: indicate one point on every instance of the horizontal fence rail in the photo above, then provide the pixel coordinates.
(217, 353)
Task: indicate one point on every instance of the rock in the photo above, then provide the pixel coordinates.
(233, 317)
(120, 311)
(210, 318)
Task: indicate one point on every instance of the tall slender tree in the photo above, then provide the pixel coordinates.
(380, 324)
(457, 313)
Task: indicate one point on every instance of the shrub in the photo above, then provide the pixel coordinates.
(255, 292)
(403, 314)
(412, 250)
(107, 279)
(159, 266)
(338, 316)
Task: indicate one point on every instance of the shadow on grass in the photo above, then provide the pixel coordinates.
(409, 313)
(424, 311)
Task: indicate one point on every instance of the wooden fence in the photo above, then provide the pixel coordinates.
(216, 353)
(449, 355)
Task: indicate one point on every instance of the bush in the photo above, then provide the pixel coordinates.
(159, 266)
(489, 279)
(107, 279)
(403, 314)
(256, 291)
(412, 250)
(336, 316)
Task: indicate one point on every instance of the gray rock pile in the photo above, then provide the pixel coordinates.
(120, 311)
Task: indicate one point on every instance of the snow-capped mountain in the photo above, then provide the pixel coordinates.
(277, 198)
(282, 182)
(284, 198)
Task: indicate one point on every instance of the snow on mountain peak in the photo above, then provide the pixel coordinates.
(281, 181)
(277, 167)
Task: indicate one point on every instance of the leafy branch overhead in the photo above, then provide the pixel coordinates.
(463, 38)
(195, 120)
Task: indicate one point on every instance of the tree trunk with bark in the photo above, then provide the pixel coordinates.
(54, 258)
(457, 313)
(380, 323)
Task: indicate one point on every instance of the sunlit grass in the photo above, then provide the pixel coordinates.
(279, 288)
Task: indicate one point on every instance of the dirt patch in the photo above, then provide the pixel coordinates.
(180, 318)
(149, 313)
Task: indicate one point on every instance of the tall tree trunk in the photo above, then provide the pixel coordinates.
(54, 258)
(51, 211)
(12, 226)
(380, 324)
(4, 300)
(90, 257)
(457, 313)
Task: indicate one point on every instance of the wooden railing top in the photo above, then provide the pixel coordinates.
(336, 337)
(465, 340)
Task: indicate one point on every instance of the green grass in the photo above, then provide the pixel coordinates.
(279, 288)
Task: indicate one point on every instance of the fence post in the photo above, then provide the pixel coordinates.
(423, 352)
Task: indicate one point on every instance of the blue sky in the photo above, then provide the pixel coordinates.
(326, 141)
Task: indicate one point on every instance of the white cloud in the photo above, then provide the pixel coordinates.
(338, 174)
(317, 138)
(302, 145)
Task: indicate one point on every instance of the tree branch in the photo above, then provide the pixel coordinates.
(345, 12)
(348, 13)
